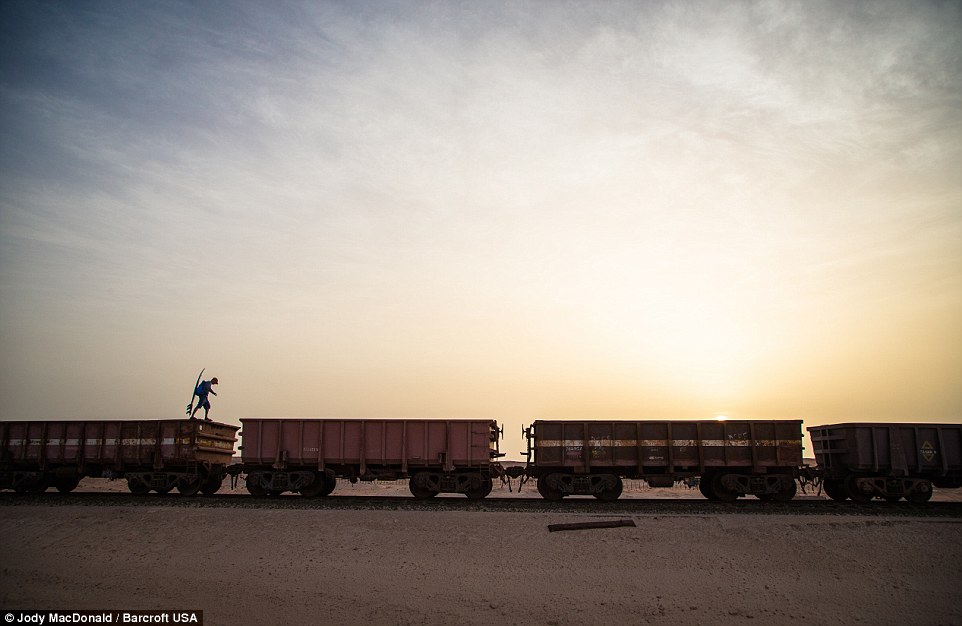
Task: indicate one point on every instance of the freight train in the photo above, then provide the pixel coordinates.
(729, 459)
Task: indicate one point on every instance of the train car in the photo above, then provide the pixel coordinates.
(863, 461)
(307, 456)
(159, 455)
(731, 458)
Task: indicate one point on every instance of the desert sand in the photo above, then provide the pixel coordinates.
(267, 566)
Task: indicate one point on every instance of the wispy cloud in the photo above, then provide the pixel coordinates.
(597, 163)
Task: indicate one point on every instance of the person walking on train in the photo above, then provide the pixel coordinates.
(202, 392)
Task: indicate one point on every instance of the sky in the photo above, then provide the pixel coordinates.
(506, 210)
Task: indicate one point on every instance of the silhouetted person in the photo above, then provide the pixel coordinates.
(202, 391)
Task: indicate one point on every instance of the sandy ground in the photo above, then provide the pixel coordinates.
(263, 566)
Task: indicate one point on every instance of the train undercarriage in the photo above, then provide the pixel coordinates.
(719, 486)
(865, 488)
(476, 484)
(188, 480)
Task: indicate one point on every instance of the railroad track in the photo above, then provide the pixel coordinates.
(746, 506)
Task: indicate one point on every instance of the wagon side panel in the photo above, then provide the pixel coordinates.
(776, 444)
(261, 439)
(18, 449)
(558, 444)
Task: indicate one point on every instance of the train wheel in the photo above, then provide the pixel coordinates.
(211, 486)
(552, 495)
(835, 489)
(786, 493)
(612, 493)
(856, 494)
(317, 487)
(722, 493)
(704, 486)
(137, 487)
(421, 493)
(920, 497)
(254, 488)
(66, 485)
(330, 484)
(479, 493)
(190, 487)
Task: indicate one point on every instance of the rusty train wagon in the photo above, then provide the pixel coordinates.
(863, 461)
(159, 455)
(307, 456)
(732, 458)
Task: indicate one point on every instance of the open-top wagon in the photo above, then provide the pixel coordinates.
(730, 458)
(158, 455)
(307, 456)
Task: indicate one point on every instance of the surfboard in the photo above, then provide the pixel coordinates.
(193, 394)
